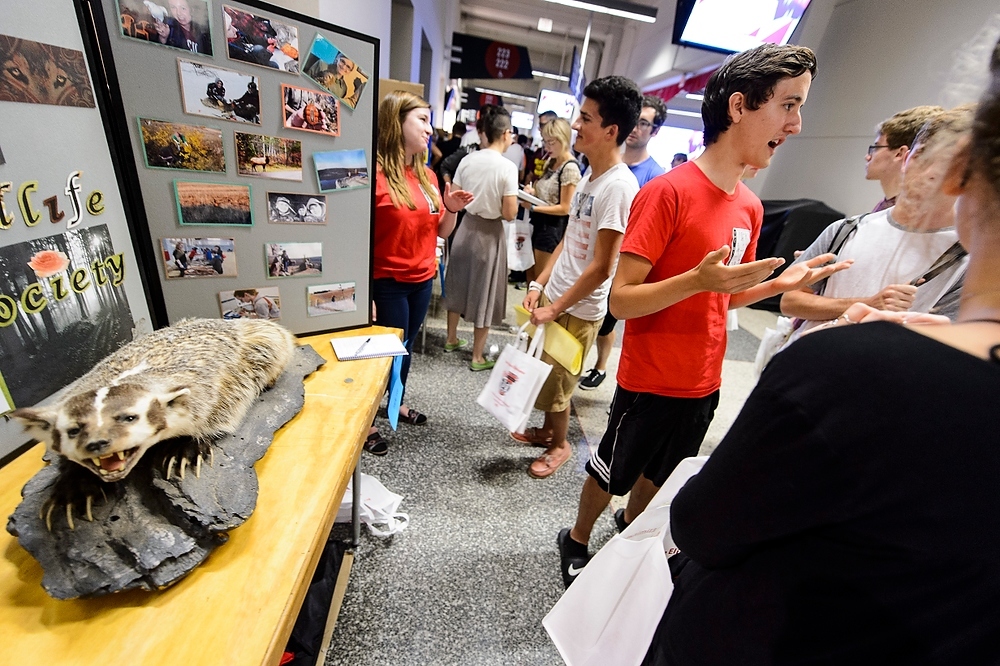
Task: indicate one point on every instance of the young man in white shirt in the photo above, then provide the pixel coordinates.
(645, 168)
(573, 289)
(894, 248)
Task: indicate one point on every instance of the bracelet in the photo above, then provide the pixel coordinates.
(535, 286)
(453, 212)
(846, 319)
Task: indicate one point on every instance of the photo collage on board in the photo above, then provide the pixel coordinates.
(318, 91)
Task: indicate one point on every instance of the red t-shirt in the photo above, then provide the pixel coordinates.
(675, 220)
(405, 240)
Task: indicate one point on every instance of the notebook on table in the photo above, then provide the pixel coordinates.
(361, 347)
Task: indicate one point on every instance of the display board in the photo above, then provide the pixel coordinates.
(249, 132)
(71, 288)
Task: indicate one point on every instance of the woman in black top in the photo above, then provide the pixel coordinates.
(556, 186)
(849, 516)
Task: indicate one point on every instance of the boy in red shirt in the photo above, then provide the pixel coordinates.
(687, 257)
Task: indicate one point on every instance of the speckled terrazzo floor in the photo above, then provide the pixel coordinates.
(470, 580)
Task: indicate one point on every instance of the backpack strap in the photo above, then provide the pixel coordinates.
(847, 228)
(559, 175)
(844, 232)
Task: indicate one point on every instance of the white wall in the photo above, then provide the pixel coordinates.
(374, 20)
(875, 58)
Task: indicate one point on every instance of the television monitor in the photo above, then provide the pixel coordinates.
(563, 104)
(731, 26)
(522, 120)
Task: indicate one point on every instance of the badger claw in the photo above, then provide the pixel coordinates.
(69, 516)
(184, 462)
(211, 457)
(48, 516)
(170, 467)
(90, 503)
(197, 467)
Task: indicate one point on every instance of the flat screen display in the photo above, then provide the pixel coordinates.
(731, 26)
(563, 104)
(522, 120)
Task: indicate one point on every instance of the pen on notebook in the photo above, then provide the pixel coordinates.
(362, 346)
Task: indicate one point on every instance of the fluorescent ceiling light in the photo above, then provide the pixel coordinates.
(695, 96)
(620, 8)
(501, 93)
(544, 24)
(546, 75)
(677, 112)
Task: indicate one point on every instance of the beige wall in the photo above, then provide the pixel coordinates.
(875, 58)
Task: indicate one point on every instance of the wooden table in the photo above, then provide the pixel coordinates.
(239, 606)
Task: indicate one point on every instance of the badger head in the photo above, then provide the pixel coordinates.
(108, 429)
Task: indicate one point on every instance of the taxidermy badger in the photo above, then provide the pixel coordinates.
(195, 379)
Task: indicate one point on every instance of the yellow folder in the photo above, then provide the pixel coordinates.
(559, 343)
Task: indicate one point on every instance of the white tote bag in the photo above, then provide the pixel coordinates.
(771, 342)
(379, 508)
(515, 381)
(519, 254)
(610, 612)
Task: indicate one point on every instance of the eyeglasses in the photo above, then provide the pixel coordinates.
(644, 124)
(872, 148)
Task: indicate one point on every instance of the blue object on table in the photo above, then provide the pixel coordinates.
(395, 392)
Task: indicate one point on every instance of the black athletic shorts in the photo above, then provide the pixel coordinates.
(648, 434)
(609, 323)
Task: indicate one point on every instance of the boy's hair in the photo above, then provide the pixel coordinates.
(658, 106)
(459, 129)
(618, 101)
(754, 73)
(551, 115)
(495, 121)
(901, 129)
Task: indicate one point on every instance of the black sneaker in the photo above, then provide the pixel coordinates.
(592, 380)
(620, 520)
(573, 556)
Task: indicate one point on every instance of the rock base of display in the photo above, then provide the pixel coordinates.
(149, 532)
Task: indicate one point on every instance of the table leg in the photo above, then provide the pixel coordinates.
(356, 504)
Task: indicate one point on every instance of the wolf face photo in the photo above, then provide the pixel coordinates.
(36, 73)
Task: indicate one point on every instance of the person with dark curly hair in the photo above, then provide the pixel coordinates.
(687, 257)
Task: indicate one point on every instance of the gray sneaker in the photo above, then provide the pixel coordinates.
(592, 380)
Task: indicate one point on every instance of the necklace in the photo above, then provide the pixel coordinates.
(995, 349)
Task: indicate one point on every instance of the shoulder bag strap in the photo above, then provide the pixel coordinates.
(951, 256)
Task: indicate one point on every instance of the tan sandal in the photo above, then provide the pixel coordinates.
(533, 437)
(547, 463)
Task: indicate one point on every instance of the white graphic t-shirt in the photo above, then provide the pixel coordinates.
(601, 203)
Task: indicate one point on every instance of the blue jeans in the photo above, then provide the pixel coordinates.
(402, 305)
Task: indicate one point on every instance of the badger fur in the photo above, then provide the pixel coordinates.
(196, 378)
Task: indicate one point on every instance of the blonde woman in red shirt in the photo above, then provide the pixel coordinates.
(410, 214)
